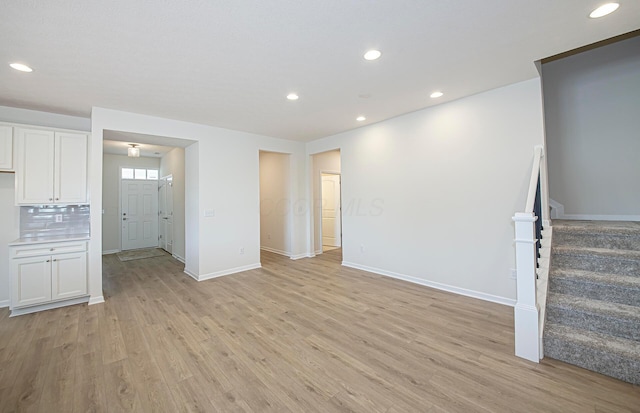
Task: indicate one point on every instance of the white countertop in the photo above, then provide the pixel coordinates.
(49, 238)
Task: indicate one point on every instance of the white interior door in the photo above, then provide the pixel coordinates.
(162, 200)
(139, 214)
(165, 202)
(331, 217)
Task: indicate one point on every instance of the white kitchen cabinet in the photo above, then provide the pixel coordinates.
(51, 167)
(6, 148)
(47, 275)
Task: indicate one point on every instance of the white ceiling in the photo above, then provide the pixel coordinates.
(152, 146)
(230, 63)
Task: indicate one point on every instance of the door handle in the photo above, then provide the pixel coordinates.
(124, 219)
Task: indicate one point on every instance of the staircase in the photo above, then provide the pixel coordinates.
(593, 301)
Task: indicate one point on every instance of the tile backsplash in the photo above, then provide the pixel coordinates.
(37, 221)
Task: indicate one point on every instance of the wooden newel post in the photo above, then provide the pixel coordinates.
(526, 312)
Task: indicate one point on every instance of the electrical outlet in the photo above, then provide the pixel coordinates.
(58, 217)
(209, 213)
(241, 250)
(513, 274)
(268, 236)
(362, 249)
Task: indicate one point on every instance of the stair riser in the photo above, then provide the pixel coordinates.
(593, 359)
(595, 291)
(596, 263)
(595, 322)
(614, 242)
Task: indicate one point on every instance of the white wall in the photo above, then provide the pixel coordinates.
(111, 223)
(9, 213)
(275, 203)
(221, 174)
(592, 107)
(10, 219)
(429, 196)
(322, 162)
(172, 163)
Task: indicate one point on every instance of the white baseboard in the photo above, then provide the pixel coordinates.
(96, 300)
(439, 286)
(110, 252)
(179, 258)
(4, 303)
(217, 274)
(276, 251)
(48, 306)
(303, 255)
(589, 217)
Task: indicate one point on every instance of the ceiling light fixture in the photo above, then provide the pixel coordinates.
(133, 151)
(604, 10)
(361, 118)
(21, 67)
(436, 94)
(372, 55)
(292, 96)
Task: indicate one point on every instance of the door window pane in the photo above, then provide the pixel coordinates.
(127, 173)
(152, 174)
(141, 174)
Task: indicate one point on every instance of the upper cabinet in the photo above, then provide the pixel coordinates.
(6, 148)
(51, 167)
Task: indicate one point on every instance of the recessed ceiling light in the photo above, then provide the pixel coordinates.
(604, 10)
(436, 94)
(372, 54)
(292, 96)
(21, 67)
(361, 118)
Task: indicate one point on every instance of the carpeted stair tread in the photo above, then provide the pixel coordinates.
(622, 346)
(621, 235)
(616, 288)
(600, 252)
(604, 317)
(598, 277)
(613, 356)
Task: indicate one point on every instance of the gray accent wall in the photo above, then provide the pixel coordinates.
(592, 120)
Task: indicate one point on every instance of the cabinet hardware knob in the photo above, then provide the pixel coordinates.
(47, 260)
(52, 249)
(57, 199)
(50, 199)
(54, 260)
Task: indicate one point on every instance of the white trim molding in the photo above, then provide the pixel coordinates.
(303, 255)
(96, 300)
(432, 284)
(557, 212)
(4, 303)
(222, 273)
(48, 306)
(107, 252)
(276, 251)
(179, 258)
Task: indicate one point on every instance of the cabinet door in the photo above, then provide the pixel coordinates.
(70, 168)
(68, 275)
(34, 169)
(30, 281)
(6, 148)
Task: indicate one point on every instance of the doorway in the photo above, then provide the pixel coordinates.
(331, 211)
(326, 186)
(139, 211)
(165, 213)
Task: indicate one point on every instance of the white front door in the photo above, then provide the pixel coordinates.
(165, 200)
(331, 225)
(139, 214)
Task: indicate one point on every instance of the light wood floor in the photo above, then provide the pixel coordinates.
(294, 336)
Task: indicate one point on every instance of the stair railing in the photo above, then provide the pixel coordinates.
(528, 228)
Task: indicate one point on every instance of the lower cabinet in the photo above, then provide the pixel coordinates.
(47, 273)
